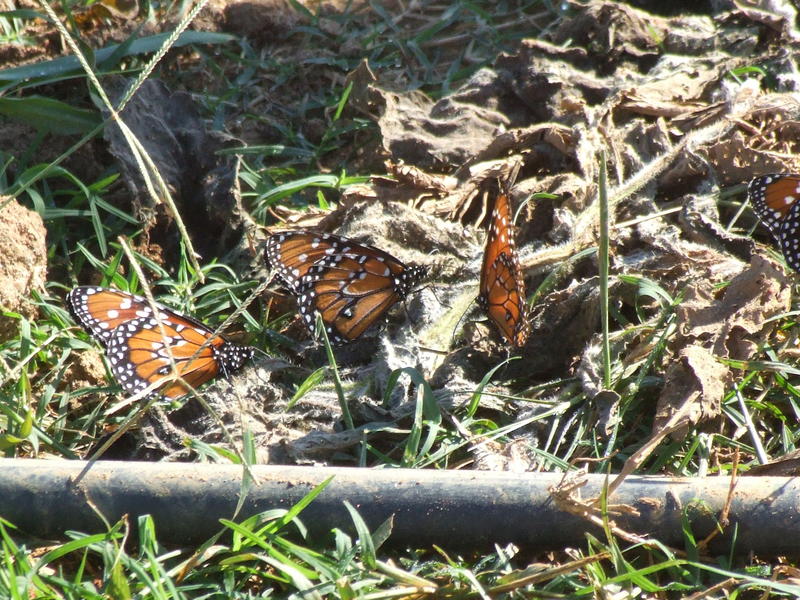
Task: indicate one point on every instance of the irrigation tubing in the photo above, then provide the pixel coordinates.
(452, 509)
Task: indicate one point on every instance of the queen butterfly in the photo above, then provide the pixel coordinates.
(350, 285)
(502, 289)
(775, 200)
(137, 350)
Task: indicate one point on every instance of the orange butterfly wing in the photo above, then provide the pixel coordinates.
(351, 294)
(502, 289)
(292, 253)
(350, 285)
(139, 356)
(137, 350)
(775, 200)
(101, 310)
(773, 196)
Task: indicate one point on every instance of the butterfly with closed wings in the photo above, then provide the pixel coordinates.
(775, 200)
(502, 289)
(138, 352)
(350, 285)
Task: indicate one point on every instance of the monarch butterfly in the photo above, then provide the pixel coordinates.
(125, 325)
(775, 200)
(350, 285)
(502, 289)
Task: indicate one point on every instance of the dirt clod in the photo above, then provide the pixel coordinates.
(23, 263)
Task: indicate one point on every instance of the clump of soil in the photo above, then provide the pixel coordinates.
(23, 263)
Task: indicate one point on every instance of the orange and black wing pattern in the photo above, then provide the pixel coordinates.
(350, 285)
(351, 294)
(292, 253)
(502, 289)
(775, 200)
(139, 352)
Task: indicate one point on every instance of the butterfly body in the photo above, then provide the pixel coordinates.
(775, 200)
(350, 285)
(502, 288)
(139, 352)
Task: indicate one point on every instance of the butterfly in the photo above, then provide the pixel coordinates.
(137, 350)
(502, 289)
(350, 285)
(775, 200)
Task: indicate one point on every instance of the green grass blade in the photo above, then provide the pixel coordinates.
(364, 536)
(474, 402)
(337, 380)
(310, 383)
(69, 66)
(602, 258)
(52, 116)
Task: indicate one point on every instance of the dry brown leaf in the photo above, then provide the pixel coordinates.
(731, 325)
(308, 217)
(433, 135)
(681, 88)
(780, 15)
(709, 328)
(614, 30)
(693, 389)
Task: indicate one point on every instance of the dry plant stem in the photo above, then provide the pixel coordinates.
(143, 160)
(724, 516)
(549, 574)
(460, 38)
(150, 66)
(239, 310)
(566, 499)
(175, 374)
(602, 257)
(718, 587)
(120, 431)
(148, 293)
(418, 582)
(780, 570)
(587, 222)
(637, 458)
(656, 215)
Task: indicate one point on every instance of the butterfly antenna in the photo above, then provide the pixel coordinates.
(429, 286)
(469, 309)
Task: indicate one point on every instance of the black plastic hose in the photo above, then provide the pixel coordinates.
(453, 509)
